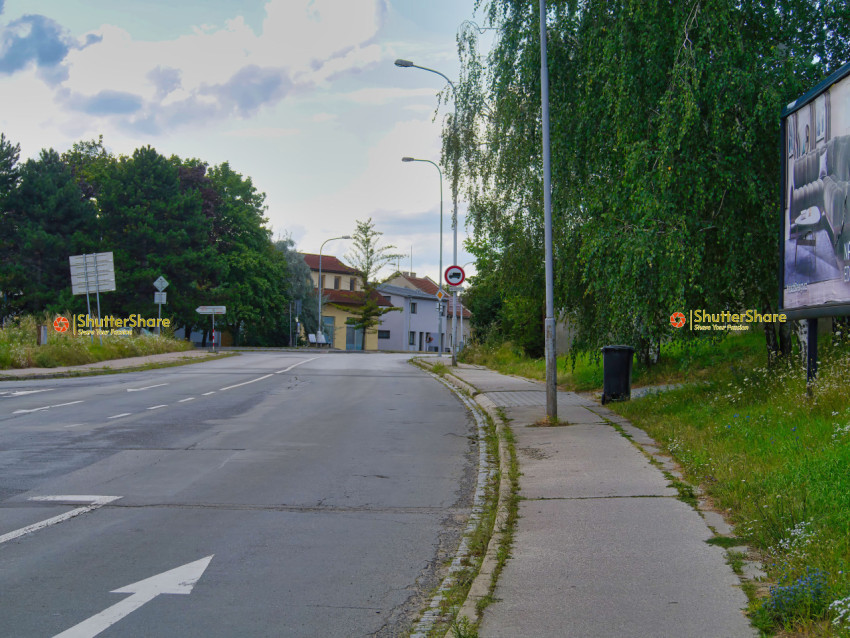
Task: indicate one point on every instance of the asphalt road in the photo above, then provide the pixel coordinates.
(280, 494)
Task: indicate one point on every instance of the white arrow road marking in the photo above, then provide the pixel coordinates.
(145, 388)
(245, 383)
(93, 502)
(180, 580)
(295, 364)
(46, 407)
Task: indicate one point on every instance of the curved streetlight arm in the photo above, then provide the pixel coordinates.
(319, 286)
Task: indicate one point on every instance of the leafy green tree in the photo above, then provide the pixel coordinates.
(367, 257)
(49, 221)
(9, 156)
(300, 285)
(154, 228)
(255, 276)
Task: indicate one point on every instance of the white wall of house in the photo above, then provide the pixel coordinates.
(417, 324)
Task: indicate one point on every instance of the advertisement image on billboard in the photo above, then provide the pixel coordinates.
(815, 278)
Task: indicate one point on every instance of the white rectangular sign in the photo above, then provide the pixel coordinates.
(159, 297)
(94, 272)
(211, 310)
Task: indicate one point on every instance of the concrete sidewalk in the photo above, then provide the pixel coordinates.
(603, 547)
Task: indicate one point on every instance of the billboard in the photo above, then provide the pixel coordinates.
(815, 237)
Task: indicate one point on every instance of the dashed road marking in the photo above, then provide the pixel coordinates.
(244, 383)
(118, 416)
(157, 407)
(46, 407)
(92, 503)
(206, 394)
(186, 399)
(295, 364)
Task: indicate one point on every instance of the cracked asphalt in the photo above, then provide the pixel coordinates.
(330, 490)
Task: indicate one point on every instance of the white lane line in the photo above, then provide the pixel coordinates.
(93, 502)
(46, 407)
(73, 425)
(186, 399)
(20, 393)
(245, 383)
(118, 416)
(157, 407)
(145, 388)
(206, 394)
(295, 364)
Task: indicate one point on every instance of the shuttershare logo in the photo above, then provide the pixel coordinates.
(726, 320)
(60, 324)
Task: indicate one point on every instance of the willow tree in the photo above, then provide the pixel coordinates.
(665, 160)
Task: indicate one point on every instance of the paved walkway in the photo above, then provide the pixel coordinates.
(100, 366)
(603, 546)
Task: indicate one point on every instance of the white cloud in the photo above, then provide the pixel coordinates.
(383, 96)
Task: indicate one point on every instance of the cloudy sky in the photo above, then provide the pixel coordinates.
(300, 95)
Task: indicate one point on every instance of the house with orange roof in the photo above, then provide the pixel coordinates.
(342, 292)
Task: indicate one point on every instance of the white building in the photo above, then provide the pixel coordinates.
(412, 329)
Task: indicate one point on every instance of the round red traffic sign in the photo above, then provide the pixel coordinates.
(455, 275)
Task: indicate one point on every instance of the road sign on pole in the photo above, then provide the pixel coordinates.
(455, 275)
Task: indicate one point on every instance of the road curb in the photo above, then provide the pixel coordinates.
(484, 580)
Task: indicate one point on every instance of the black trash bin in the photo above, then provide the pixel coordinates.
(616, 373)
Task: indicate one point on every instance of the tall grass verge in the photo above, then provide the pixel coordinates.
(19, 349)
(679, 361)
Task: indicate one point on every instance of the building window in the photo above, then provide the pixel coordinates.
(411, 339)
(351, 283)
(383, 334)
(337, 282)
(323, 282)
(388, 299)
(413, 307)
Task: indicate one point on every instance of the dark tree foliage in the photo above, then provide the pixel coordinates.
(47, 221)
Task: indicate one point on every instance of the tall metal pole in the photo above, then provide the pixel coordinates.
(440, 272)
(549, 325)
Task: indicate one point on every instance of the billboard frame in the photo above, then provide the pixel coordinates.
(824, 309)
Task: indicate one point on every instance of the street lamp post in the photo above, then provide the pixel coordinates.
(440, 277)
(549, 326)
(406, 64)
(319, 284)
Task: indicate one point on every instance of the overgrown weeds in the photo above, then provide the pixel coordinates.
(19, 348)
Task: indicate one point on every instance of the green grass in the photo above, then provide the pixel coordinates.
(772, 458)
(681, 361)
(18, 347)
